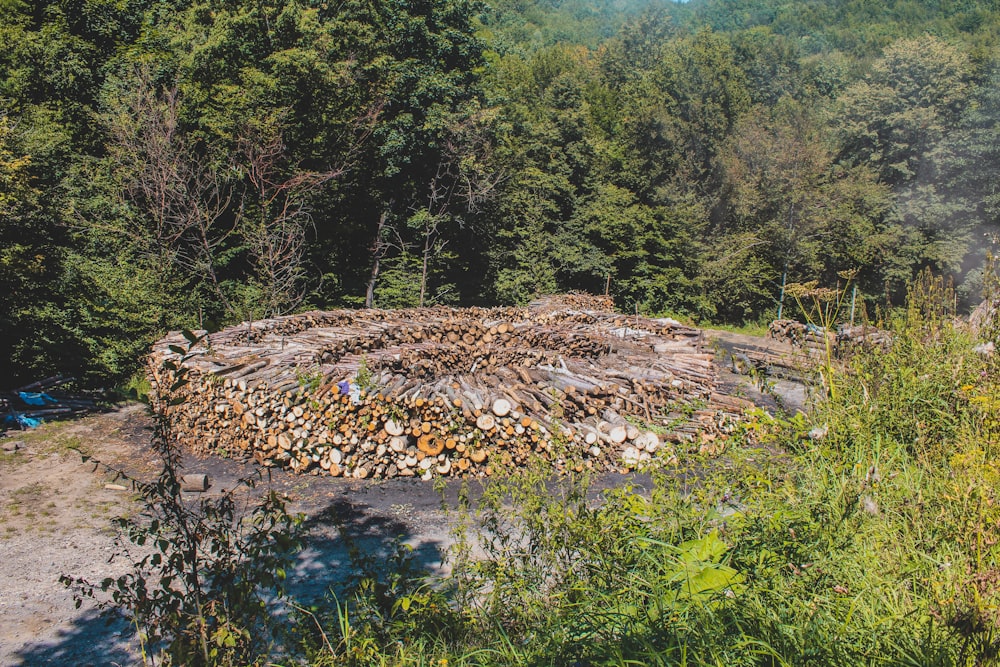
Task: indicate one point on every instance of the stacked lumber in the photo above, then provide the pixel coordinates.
(778, 361)
(817, 342)
(443, 391)
(983, 319)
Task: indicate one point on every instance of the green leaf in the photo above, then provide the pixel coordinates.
(706, 549)
(712, 579)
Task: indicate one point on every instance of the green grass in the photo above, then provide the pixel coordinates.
(52, 437)
(759, 329)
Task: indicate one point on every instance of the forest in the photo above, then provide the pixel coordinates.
(198, 163)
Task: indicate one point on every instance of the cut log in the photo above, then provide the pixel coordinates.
(430, 444)
(501, 407)
(194, 482)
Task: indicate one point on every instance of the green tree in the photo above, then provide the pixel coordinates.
(792, 208)
(678, 116)
(26, 259)
(915, 92)
(899, 121)
(51, 71)
(646, 254)
(952, 202)
(549, 154)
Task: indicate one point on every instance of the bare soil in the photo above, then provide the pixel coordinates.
(56, 518)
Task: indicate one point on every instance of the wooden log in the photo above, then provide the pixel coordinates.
(194, 482)
(393, 428)
(541, 371)
(501, 407)
(430, 444)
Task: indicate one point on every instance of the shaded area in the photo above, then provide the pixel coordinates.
(348, 540)
(27, 406)
(92, 639)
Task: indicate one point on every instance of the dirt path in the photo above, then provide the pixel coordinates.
(55, 515)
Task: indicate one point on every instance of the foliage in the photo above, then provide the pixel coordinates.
(391, 609)
(211, 164)
(863, 533)
(203, 163)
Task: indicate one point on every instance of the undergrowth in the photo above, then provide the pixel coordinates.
(863, 533)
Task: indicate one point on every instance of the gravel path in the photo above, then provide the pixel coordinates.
(56, 519)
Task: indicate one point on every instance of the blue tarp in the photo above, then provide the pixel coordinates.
(348, 388)
(22, 420)
(35, 399)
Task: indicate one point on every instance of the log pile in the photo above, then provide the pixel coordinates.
(983, 319)
(817, 342)
(862, 337)
(440, 391)
(812, 339)
(783, 362)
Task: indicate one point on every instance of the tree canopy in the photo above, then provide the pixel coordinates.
(197, 163)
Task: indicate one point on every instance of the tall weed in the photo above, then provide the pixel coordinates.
(864, 533)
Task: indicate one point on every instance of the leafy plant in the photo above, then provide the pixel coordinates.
(309, 380)
(203, 574)
(365, 378)
(821, 307)
(386, 600)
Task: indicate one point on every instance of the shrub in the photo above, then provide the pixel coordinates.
(204, 573)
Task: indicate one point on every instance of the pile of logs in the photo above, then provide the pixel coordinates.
(812, 339)
(440, 391)
(983, 319)
(818, 343)
(862, 337)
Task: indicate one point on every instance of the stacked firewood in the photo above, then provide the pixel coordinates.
(425, 392)
(983, 319)
(818, 343)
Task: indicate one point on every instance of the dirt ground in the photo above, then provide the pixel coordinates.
(56, 519)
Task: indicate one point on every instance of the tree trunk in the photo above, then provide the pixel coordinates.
(378, 252)
(428, 245)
